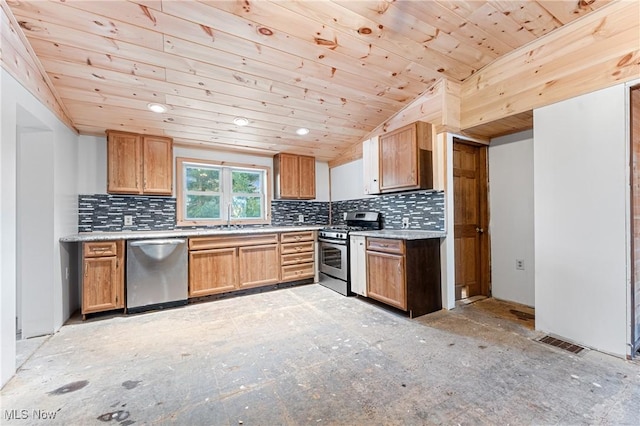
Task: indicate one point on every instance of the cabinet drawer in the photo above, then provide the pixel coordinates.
(297, 272)
(100, 248)
(295, 258)
(385, 245)
(294, 237)
(296, 247)
(205, 243)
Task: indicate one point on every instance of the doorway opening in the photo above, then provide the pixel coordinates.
(34, 226)
(471, 219)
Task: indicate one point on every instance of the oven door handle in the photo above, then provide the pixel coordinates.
(336, 242)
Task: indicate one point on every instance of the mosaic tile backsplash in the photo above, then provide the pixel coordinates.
(103, 212)
(425, 209)
(285, 212)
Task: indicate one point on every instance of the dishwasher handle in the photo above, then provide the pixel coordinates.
(173, 242)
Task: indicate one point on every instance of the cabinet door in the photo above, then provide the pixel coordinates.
(307, 168)
(259, 265)
(386, 279)
(358, 265)
(212, 271)
(157, 165)
(371, 165)
(124, 153)
(288, 176)
(398, 157)
(101, 284)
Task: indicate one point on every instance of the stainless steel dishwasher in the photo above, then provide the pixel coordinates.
(156, 274)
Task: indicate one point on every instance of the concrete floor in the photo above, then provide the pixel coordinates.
(306, 355)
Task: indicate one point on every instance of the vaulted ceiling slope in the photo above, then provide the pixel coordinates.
(339, 68)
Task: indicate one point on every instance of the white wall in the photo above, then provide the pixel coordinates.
(20, 110)
(511, 217)
(580, 187)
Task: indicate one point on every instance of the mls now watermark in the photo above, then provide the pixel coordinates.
(29, 414)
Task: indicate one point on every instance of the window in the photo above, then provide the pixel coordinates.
(210, 193)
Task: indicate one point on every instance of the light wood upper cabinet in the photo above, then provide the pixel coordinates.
(139, 164)
(102, 276)
(295, 176)
(157, 165)
(405, 158)
(307, 170)
(124, 156)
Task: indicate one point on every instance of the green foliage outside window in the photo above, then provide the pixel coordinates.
(202, 186)
(213, 192)
(203, 207)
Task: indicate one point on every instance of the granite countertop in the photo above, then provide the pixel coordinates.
(177, 233)
(401, 234)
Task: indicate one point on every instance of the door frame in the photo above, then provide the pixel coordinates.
(485, 240)
(634, 335)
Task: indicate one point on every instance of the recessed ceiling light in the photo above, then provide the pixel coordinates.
(302, 131)
(159, 108)
(240, 121)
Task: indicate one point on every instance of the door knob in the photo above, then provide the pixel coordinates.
(479, 230)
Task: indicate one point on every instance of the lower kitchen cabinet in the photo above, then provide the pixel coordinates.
(405, 274)
(220, 264)
(212, 271)
(297, 251)
(259, 265)
(102, 279)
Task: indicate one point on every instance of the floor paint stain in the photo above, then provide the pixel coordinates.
(525, 316)
(130, 384)
(118, 416)
(70, 387)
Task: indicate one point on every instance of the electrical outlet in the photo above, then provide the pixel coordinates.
(128, 220)
(344, 215)
(405, 222)
(300, 218)
(520, 264)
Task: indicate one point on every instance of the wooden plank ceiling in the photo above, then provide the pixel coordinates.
(339, 68)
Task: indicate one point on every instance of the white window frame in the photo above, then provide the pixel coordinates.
(226, 192)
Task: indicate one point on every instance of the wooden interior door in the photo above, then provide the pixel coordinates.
(635, 218)
(471, 240)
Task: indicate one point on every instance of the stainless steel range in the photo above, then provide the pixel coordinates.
(334, 249)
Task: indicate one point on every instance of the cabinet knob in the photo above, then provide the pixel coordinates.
(479, 230)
